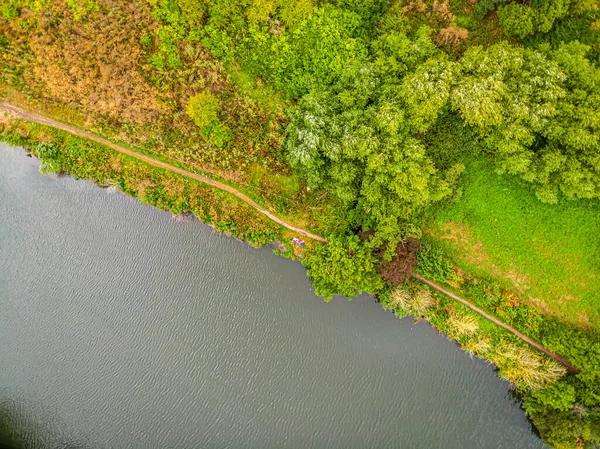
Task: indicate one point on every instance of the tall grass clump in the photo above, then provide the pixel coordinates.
(461, 324)
(524, 368)
(404, 300)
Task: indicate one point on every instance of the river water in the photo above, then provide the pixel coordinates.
(121, 327)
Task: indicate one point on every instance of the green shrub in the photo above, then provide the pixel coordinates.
(49, 154)
(81, 8)
(204, 110)
(433, 264)
(9, 9)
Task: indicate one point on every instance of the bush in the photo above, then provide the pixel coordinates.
(49, 154)
(204, 110)
(433, 264)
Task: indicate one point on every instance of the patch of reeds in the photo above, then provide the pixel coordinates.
(461, 324)
(523, 367)
(413, 301)
(479, 344)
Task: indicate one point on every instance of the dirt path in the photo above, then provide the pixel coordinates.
(29, 116)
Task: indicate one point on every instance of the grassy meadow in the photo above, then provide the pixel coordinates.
(548, 254)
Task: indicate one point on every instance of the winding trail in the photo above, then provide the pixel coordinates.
(32, 117)
(29, 116)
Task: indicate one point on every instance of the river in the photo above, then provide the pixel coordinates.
(121, 327)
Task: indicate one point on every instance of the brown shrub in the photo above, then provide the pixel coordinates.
(451, 36)
(403, 264)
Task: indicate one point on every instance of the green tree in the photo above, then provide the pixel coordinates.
(567, 161)
(560, 396)
(517, 19)
(538, 112)
(361, 138)
(395, 54)
(508, 93)
(345, 266)
(526, 18)
(315, 54)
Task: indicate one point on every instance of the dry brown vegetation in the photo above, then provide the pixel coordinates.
(100, 68)
(451, 35)
(460, 323)
(415, 300)
(438, 11)
(94, 64)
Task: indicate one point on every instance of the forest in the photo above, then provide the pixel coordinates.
(457, 138)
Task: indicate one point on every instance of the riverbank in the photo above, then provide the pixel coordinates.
(16, 113)
(11, 113)
(353, 120)
(132, 319)
(81, 158)
(532, 374)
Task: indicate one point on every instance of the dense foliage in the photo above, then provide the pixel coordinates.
(363, 113)
(343, 267)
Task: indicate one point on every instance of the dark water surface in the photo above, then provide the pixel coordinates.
(123, 328)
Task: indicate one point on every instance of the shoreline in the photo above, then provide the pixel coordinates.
(20, 114)
(436, 318)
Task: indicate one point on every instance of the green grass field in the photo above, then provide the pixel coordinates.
(549, 254)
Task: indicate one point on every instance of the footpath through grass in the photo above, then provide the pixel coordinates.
(549, 254)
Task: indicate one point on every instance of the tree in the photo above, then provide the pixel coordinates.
(538, 112)
(361, 138)
(313, 56)
(344, 266)
(569, 160)
(517, 19)
(396, 55)
(523, 20)
(508, 93)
